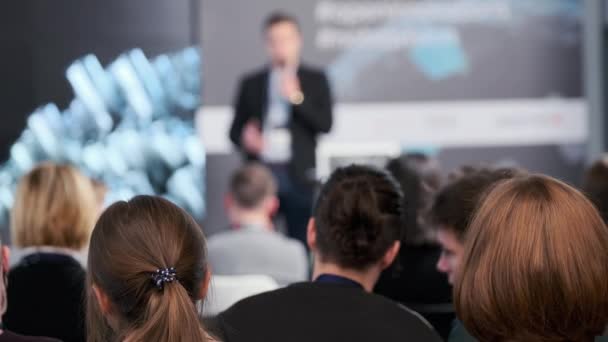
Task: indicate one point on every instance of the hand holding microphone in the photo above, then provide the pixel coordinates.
(290, 87)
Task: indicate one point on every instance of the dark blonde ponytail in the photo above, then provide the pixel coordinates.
(132, 242)
(169, 316)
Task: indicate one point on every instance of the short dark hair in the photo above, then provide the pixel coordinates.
(251, 184)
(419, 177)
(279, 17)
(358, 216)
(456, 203)
(595, 186)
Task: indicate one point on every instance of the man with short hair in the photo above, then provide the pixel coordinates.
(253, 246)
(453, 209)
(451, 213)
(279, 112)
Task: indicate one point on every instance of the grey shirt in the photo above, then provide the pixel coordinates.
(255, 250)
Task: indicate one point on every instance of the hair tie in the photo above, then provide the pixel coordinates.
(163, 276)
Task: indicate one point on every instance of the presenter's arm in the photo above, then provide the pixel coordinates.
(316, 110)
(241, 115)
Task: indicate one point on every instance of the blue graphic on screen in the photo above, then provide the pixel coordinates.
(439, 60)
(437, 51)
(130, 126)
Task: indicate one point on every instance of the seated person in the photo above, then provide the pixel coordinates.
(414, 280)
(595, 186)
(535, 265)
(354, 235)
(253, 246)
(5, 335)
(147, 270)
(452, 210)
(52, 218)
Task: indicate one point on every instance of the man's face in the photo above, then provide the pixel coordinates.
(452, 251)
(284, 43)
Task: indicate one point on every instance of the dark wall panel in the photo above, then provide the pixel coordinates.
(39, 38)
(16, 88)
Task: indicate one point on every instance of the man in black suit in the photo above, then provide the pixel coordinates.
(279, 112)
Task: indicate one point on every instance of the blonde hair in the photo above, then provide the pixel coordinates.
(535, 265)
(55, 205)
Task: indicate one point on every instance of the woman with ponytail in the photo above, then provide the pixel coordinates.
(147, 269)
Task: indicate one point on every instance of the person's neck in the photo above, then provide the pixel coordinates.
(293, 65)
(253, 218)
(367, 278)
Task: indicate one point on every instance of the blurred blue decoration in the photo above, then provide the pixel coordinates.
(130, 126)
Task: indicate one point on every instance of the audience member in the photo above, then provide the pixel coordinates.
(535, 265)
(414, 280)
(101, 190)
(452, 210)
(354, 235)
(5, 335)
(253, 246)
(595, 186)
(52, 218)
(147, 269)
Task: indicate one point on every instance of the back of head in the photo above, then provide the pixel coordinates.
(130, 242)
(595, 186)
(455, 204)
(535, 265)
(426, 167)
(418, 177)
(251, 185)
(358, 217)
(55, 205)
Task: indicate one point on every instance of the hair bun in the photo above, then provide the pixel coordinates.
(358, 217)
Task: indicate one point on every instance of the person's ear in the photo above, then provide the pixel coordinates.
(311, 234)
(390, 255)
(204, 289)
(273, 206)
(228, 202)
(102, 300)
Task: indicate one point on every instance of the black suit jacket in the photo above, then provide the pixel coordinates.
(308, 119)
(415, 282)
(320, 312)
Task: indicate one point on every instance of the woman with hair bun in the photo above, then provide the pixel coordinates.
(354, 234)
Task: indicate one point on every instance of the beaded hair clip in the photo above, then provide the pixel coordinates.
(163, 276)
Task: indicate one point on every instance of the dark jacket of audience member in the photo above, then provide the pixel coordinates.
(354, 235)
(46, 297)
(535, 265)
(53, 215)
(8, 336)
(5, 335)
(414, 280)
